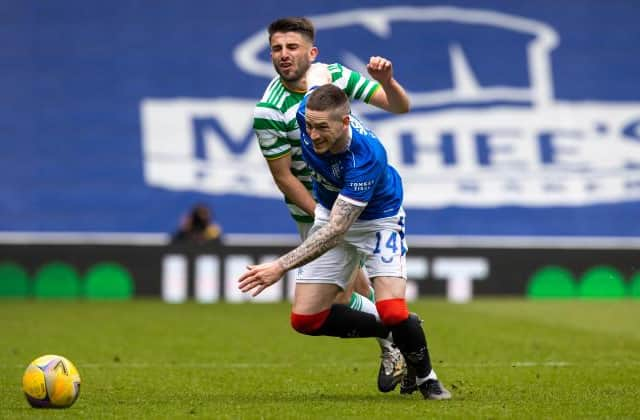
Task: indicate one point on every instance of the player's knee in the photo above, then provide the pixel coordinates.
(308, 324)
(392, 311)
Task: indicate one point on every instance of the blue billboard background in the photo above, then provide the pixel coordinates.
(75, 76)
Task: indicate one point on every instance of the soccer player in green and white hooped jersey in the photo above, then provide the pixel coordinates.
(277, 130)
(292, 53)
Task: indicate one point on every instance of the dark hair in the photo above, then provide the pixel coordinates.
(301, 25)
(329, 97)
(201, 217)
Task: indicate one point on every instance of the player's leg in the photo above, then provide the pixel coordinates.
(362, 286)
(386, 264)
(314, 313)
(392, 364)
(408, 334)
(358, 293)
(353, 293)
(349, 296)
(317, 285)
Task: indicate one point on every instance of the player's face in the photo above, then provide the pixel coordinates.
(292, 54)
(327, 131)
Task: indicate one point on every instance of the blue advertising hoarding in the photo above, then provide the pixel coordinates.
(118, 116)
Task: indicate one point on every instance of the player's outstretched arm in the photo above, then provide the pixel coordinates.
(392, 97)
(343, 214)
(259, 277)
(291, 186)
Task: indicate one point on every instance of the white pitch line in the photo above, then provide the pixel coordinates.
(214, 365)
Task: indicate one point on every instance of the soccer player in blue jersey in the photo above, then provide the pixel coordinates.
(359, 217)
(291, 42)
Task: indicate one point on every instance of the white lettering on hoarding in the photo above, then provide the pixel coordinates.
(551, 153)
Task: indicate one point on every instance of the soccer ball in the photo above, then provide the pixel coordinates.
(51, 382)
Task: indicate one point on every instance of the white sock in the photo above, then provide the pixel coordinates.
(432, 375)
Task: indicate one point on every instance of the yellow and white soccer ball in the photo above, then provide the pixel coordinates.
(51, 382)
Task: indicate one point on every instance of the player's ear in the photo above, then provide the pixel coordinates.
(313, 53)
(346, 120)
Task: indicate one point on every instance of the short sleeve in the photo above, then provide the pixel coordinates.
(271, 131)
(354, 84)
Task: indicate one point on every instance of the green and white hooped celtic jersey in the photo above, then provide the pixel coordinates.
(274, 121)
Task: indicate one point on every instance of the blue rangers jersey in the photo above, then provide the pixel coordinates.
(361, 173)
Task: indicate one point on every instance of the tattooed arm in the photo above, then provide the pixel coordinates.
(343, 214)
(259, 277)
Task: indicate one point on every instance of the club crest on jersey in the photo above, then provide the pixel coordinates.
(324, 182)
(336, 170)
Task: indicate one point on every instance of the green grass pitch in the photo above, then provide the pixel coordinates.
(501, 358)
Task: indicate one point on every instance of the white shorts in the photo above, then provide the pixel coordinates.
(303, 229)
(380, 245)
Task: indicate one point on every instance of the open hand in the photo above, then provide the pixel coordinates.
(259, 277)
